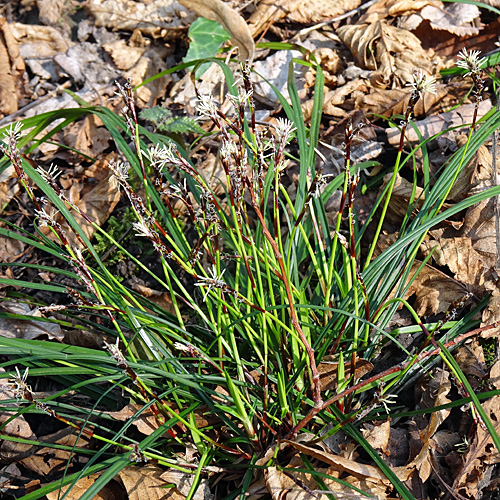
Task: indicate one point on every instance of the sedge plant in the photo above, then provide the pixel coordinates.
(262, 290)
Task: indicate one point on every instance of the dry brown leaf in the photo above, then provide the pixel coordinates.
(81, 487)
(230, 20)
(434, 290)
(97, 204)
(162, 299)
(49, 11)
(436, 389)
(378, 435)
(464, 262)
(470, 358)
(145, 483)
(340, 101)
(11, 75)
(150, 64)
(124, 56)
(47, 461)
(11, 451)
(456, 18)
(161, 18)
(482, 454)
(88, 136)
(328, 372)
(438, 123)
(392, 53)
(39, 41)
(317, 11)
(390, 102)
(269, 12)
(10, 249)
(295, 485)
(9, 186)
(183, 483)
(26, 328)
(400, 198)
(392, 8)
(331, 64)
(147, 423)
(341, 464)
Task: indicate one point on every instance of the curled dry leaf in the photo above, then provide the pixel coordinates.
(391, 52)
(230, 20)
(161, 18)
(392, 8)
(39, 41)
(124, 56)
(328, 372)
(390, 102)
(269, 12)
(78, 489)
(341, 464)
(316, 11)
(146, 483)
(97, 204)
(12, 64)
(183, 483)
(47, 461)
(481, 455)
(456, 18)
(433, 289)
(27, 328)
(9, 186)
(11, 451)
(436, 390)
(50, 11)
(401, 197)
(150, 64)
(339, 102)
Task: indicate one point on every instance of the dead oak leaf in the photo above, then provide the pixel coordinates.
(392, 8)
(12, 64)
(466, 264)
(481, 455)
(391, 52)
(146, 483)
(455, 18)
(434, 290)
(316, 11)
(436, 390)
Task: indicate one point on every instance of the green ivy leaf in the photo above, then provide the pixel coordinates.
(206, 39)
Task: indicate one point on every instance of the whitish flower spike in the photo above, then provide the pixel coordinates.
(49, 175)
(143, 230)
(284, 128)
(44, 218)
(470, 61)
(119, 170)
(206, 106)
(211, 282)
(163, 154)
(422, 83)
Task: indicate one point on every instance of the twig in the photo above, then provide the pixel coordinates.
(20, 112)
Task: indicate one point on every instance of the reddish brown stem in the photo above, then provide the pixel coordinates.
(316, 409)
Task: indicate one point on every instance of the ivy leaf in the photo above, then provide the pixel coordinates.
(206, 39)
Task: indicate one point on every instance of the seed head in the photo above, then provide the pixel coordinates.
(470, 61)
(206, 106)
(422, 83)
